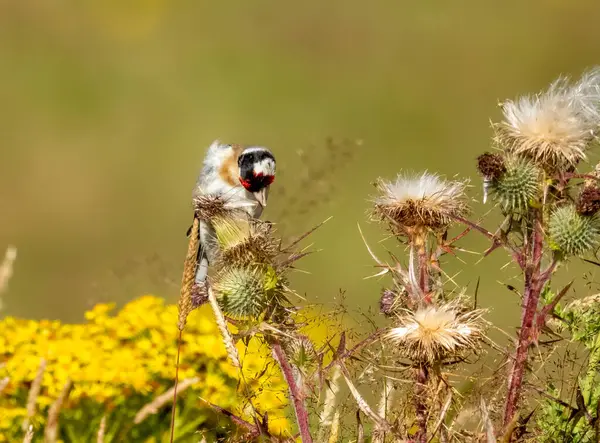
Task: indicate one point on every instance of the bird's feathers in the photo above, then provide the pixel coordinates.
(220, 176)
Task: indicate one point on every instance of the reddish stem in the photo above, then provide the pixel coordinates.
(421, 403)
(535, 279)
(424, 273)
(295, 394)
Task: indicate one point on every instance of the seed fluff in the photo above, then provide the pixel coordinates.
(433, 333)
(421, 200)
(555, 127)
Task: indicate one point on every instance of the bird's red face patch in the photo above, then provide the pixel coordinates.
(257, 182)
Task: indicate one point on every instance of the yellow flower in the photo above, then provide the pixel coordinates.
(130, 355)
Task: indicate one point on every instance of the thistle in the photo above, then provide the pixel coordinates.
(434, 333)
(491, 167)
(212, 206)
(248, 292)
(517, 186)
(388, 302)
(301, 352)
(244, 241)
(553, 128)
(588, 202)
(424, 201)
(572, 233)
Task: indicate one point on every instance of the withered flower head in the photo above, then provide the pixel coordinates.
(208, 207)
(491, 165)
(588, 202)
(433, 333)
(554, 128)
(424, 200)
(388, 302)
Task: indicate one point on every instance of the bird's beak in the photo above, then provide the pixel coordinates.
(262, 195)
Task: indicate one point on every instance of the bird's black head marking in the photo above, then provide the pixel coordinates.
(257, 168)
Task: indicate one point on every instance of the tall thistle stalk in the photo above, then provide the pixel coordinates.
(429, 326)
(550, 214)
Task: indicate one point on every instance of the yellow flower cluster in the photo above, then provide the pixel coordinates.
(133, 353)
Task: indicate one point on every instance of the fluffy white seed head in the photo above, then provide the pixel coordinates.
(421, 200)
(555, 127)
(433, 333)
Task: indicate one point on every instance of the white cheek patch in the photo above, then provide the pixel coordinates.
(265, 167)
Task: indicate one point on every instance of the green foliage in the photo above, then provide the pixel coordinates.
(576, 423)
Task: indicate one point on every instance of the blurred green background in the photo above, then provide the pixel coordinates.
(106, 108)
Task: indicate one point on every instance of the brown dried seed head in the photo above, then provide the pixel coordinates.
(589, 201)
(387, 302)
(491, 165)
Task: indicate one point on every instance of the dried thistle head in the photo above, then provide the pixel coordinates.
(425, 201)
(588, 202)
(388, 302)
(553, 128)
(211, 206)
(245, 241)
(434, 333)
(573, 233)
(393, 301)
(491, 166)
(517, 186)
(248, 291)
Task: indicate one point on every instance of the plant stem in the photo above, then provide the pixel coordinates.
(421, 403)
(587, 384)
(535, 279)
(295, 393)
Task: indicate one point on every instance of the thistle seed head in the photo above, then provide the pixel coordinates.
(244, 241)
(208, 206)
(247, 292)
(387, 302)
(573, 233)
(553, 128)
(434, 333)
(519, 184)
(588, 202)
(491, 166)
(420, 201)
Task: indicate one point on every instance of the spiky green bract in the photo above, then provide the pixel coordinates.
(248, 291)
(243, 241)
(518, 185)
(573, 233)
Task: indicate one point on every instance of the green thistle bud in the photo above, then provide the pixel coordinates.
(246, 292)
(517, 186)
(573, 233)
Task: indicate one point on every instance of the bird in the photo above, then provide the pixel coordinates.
(242, 175)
